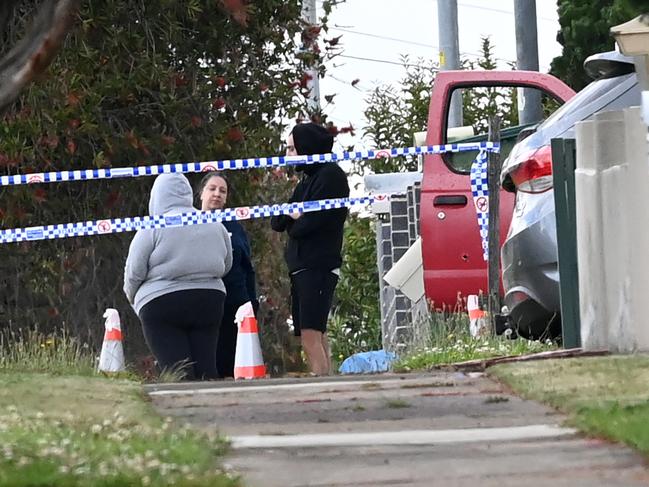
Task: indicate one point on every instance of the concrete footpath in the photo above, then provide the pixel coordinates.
(438, 429)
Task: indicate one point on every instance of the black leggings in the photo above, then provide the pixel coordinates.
(184, 326)
(227, 344)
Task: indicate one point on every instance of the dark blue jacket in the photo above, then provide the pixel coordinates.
(240, 281)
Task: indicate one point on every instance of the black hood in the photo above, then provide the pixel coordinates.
(310, 139)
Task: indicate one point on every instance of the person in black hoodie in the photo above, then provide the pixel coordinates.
(313, 252)
(239, 282)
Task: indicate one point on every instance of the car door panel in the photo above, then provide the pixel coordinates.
(451, 245)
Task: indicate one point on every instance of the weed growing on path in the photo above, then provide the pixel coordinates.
(397, 404)
(447, 340)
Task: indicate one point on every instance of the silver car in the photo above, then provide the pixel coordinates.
(529, 254)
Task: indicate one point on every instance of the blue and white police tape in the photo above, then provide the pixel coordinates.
(232, 164)
(480, 192)
(118, 225)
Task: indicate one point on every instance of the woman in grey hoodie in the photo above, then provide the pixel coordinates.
(173, 280)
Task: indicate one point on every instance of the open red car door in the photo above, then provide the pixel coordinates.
(451, 247)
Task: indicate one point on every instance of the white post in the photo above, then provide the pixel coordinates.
(611, 184)
(633, 39)
(590, 247)
(610, 156)
(636, 195)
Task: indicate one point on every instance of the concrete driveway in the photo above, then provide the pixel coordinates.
(446, 429)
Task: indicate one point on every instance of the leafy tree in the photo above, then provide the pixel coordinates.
(585, 26)
(31, 33)
(356, 325)
(481, 103)
(137, 83)
(394, 114)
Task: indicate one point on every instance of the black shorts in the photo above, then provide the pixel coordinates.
(312, 292)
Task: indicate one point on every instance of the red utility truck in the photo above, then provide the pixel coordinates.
(451, 247)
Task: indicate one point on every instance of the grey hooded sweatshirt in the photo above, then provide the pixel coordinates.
(162, 261)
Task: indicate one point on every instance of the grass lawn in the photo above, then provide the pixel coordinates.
(604, 396)
(67, 430)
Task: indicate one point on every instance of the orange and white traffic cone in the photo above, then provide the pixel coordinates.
(112, 354)
(248, 361)
(477, 317)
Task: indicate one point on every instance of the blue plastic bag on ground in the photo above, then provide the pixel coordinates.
(367, 362)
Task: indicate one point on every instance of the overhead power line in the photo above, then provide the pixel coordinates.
(346, 83)
(385, 61)
(376, 36)
(431, 46)
(487, 9)
(498, 10)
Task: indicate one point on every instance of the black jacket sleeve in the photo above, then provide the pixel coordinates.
(283, 223)
(279, 223)
(330, 184)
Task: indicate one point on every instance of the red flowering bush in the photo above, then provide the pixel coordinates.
(142, 83)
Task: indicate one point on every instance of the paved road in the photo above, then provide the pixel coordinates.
(441, 429)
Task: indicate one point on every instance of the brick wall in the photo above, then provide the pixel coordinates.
(403, 322)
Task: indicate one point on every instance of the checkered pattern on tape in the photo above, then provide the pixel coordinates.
(256, 162)
(102, 227)
(480, 192)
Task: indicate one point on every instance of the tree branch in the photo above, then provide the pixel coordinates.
(34, 53)
(6, 9)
